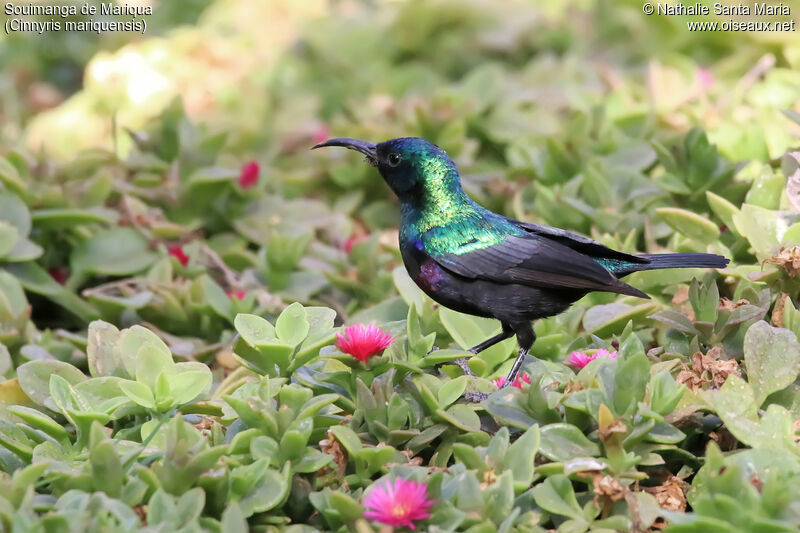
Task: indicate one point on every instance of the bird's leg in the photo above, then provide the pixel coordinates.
(463, 362)
(478, 397)
(525, 337)
(488, 343)
(512, 375)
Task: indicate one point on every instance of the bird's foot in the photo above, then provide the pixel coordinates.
(463, 364)
(475, 397)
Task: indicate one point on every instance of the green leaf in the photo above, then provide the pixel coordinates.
(461, 416)
(106, 466)
(162, 392)
(152, 360)
(556, 496)
(676, 320)
(13, 303)
(735, 405)
(610, 319)
(723, 209)
(704, 300)
(65, 397)
(469, 456)
(216, 298)
(139, 393)
(233, 520)
(665, 393)
(772, 359)
(102, 350)
(113, 252)
(451, 391)
(763, 228)
(66, 218)
(689, 224)
(14, 440)
(348, 508)
(268, 492)
(39, 420)
(161, 508)
(212, 175)
(131, 341)
(562, 442)
(190, 505)
(292, 325)
(520, 457)
(187, 386)
(34, 378)
(10, 177)
(630, 382)
(15, 212)
(347, 437)
(254, 329)
(8, 237)
(36, 279)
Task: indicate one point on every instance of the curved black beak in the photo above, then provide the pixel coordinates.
(368, 149)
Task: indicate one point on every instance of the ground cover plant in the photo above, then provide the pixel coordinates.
(206, 327)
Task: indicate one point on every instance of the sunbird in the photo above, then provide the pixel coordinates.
(478, 262)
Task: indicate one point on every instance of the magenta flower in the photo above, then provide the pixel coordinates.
(248, 176)
(178, 253)
(705, 78)
(321, 134)
(350, 242)
(581, 359)
(59, 273)
(524, 377)
(398, 503)
(362, 341)
(239, 295)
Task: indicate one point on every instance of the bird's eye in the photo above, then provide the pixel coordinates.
(393, 159)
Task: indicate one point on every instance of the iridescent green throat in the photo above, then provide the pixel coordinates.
(443, 219)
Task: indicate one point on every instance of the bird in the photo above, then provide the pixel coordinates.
(475, 261)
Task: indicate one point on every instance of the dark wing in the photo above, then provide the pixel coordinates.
(579, 243)
(535, 261)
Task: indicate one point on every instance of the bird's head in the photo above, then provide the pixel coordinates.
(410, 166)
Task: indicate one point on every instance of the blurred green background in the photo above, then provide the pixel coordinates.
(495, 78)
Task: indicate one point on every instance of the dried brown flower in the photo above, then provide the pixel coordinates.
(708, 368)
(670, 495)
(788, 258)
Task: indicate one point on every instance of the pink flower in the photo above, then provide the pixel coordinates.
(350, 242)
(248, 177)
(178, 253)
(321, 134)
(581, 359)
(362, 341)
(524, 377)
(398, 503)
(704, 78)
(239, 295)
(59, 273)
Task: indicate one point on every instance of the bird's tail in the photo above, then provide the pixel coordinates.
(682, 260)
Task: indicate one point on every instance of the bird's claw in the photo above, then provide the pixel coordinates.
(475, 397)
(463, 364)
